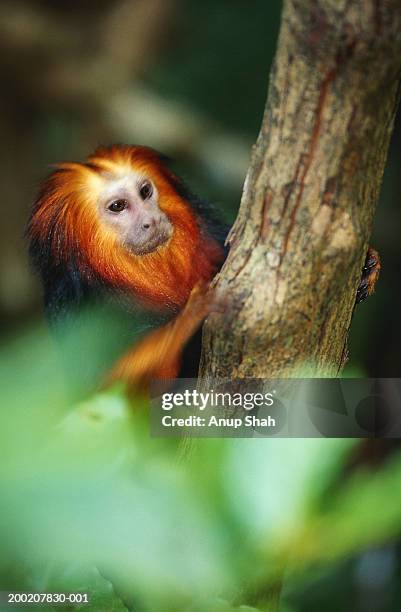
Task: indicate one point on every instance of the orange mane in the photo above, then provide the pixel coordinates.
(66, 214)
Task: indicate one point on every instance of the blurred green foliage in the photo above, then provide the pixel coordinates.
(91, 502)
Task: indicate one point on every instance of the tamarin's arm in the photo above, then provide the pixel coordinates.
(158, 355)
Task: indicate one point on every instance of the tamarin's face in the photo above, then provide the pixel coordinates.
(130, 206)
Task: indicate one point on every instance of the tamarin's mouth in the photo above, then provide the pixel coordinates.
(159, 238)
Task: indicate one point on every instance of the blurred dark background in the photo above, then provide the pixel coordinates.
(186, 77)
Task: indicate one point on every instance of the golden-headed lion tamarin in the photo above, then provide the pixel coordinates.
(123, 228)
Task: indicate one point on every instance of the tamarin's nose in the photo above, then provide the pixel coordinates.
(151, 222)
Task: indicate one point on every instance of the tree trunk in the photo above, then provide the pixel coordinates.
(298, 245)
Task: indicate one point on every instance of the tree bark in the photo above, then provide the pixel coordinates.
(298, 245)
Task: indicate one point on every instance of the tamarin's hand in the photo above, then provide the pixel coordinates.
(370, 275)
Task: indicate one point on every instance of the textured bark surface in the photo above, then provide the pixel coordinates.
(298, 245)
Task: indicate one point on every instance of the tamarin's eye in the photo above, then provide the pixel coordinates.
(118, 205)
(146, 190)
